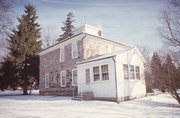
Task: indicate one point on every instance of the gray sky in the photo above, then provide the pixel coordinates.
(133, 22)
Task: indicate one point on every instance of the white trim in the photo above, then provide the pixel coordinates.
(61, 78)
(74, 47)
(46, 80)
(61, 54)
(73, 78)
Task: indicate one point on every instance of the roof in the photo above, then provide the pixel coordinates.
(80, 34)
(106, 56)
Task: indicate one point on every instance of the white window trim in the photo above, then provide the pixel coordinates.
(73, 78)
(88, 75)
(61, 59)
(72, 50)
(61, 79)
(104, 72)
(45, 81)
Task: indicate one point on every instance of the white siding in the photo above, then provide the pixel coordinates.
(102, 88)
(130, 87)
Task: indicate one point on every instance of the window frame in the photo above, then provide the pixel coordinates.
(132, 73)
(73, 77)
(96, 73)
(62, 78)
(74, 49)
(106, 72)
(137, 72)
(46, 80)
(62, 54)
(89, 76)
(127, 70)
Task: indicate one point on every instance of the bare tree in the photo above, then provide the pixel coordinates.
(5, 25)
(170, 29)
(49, 36)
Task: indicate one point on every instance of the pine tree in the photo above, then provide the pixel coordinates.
(156, 69)
(68, 27)
(24, 45)
(171, 78)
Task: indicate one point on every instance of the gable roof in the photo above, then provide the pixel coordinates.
(113, 54)
(85, 34)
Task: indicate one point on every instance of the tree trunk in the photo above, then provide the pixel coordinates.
(25, 87)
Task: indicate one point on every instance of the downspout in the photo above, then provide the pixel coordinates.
(115, 80)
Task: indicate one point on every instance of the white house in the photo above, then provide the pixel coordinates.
(116, 76)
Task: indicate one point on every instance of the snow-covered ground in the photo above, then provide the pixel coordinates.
(35, 106)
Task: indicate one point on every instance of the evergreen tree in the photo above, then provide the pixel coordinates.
(68, 27)
(171, 78)
(24, 45)
(156, 69)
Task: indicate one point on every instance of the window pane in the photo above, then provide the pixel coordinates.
(63, 78)
(61, 54)
(105, 73)
(96, 73)
(126, 71)
(132, 72)
(137, 72)
(46, 80)
(87, 76)
(74, 50)
(74, 77)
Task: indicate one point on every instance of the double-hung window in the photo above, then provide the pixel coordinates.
(74, 77)
(74, 50)
(137, 72)
(132, 76)
(46, 80)
(63, 78)
(104, 72)
(61, 54)
(126, 71)
(96, 73)
(87, 76)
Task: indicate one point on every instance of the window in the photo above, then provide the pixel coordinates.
(104, 72)
(74, 50)
(132, 72)
(62, 54)
(63, 78)
(137, 72)
(126, 71)
(96, 73)
(87, 76)
(46, 81)
(74, 77)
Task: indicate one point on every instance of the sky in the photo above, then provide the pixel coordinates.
(132, 22)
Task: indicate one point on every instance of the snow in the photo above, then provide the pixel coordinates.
(36, 106)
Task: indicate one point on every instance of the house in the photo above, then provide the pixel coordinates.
(113, 70)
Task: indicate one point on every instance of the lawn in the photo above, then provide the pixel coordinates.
(35, 106)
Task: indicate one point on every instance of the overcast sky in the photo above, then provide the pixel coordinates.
(133, 22)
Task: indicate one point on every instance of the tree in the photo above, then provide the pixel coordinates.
(156, 70)
(48, 37)
(170, 29)
(23, 46)
(68, 27)
(171, 78)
